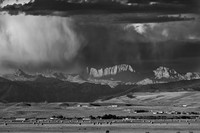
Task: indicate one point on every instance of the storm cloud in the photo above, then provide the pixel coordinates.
(139, 44)
(37, 41)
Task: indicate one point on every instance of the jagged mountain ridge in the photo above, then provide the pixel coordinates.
(52, 89)
(170, 74)
(159, 75)
(98, 73)
(19, 75)
(122, 73)
(165, 75)
(64, 91)
(111, 76)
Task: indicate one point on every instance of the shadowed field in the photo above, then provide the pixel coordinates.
(116, 128)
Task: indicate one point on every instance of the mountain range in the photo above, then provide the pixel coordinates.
(113, 76)
(61, 87)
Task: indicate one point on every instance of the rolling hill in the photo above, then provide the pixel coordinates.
(53, 90)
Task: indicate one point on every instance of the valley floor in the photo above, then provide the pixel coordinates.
(115, 128)
(160, 112)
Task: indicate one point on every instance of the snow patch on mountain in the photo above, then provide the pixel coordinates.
(75, 79)
(149, 81)
(111, 83)
(145, 82)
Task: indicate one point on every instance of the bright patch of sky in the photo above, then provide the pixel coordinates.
(11, 2)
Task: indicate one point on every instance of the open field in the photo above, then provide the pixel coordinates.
(190, 98)
(166, 112)
(123, 105)
(115, 128)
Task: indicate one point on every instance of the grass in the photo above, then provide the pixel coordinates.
(163, 101)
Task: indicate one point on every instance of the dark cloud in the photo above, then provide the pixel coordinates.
(139, 44)
(101, 6)
(38, 43)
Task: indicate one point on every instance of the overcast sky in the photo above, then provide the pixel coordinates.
(37, 43)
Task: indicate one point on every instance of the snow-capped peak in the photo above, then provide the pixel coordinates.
(18, 75)
(167, 73)
(19, 72)
(190, 75)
